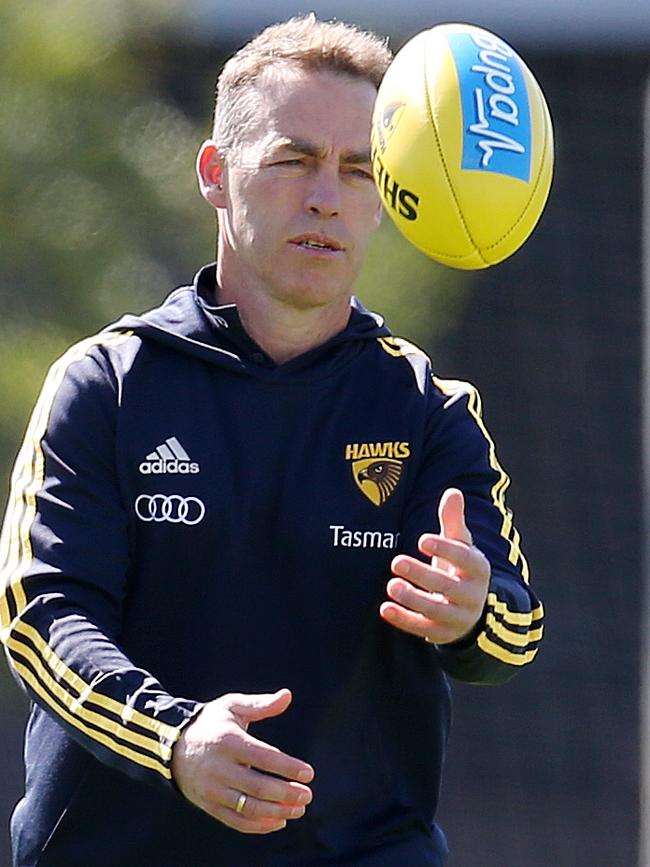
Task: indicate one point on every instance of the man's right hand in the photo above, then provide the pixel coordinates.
(216, 760)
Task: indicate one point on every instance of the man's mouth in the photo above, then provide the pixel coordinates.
(317, 242)
(315, 245)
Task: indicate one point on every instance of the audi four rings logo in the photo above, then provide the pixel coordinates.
(169, 507)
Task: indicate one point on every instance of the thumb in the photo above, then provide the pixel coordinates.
(451, 515)
(251, 708)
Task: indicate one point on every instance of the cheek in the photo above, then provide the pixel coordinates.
(364, 201)
(368, 218)
(245, 220)
(260, 210)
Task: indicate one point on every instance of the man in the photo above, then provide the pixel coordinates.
(206, 511)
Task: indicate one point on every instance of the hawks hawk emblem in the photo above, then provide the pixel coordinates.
(377, 467)
(377, 478)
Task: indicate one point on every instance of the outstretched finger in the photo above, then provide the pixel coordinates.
(451, 516)
(415, 623)
(251, 752)
(255, 707)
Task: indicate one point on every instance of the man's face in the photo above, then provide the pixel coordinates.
(299, 200)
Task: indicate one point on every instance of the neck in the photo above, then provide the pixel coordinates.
(281, 328)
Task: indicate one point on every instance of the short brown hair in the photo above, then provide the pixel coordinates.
(303, 42)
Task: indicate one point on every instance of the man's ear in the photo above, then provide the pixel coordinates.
(210, 172)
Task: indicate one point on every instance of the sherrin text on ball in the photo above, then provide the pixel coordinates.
(462, 146)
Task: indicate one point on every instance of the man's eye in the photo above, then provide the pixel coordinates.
(363, 174)
(291, 167)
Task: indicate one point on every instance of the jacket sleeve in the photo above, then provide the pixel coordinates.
(459, 452)
(64, 563)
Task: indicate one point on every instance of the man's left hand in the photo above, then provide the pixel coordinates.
(442, 600)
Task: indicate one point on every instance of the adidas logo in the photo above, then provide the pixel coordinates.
(169, 457)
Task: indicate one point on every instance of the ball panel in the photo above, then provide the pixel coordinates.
(462, 133)
(497, 159)
(407, 161)
(521, 230)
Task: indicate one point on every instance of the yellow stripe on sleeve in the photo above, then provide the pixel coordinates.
(498, 620)
(516, 639)
(5, 616)
(62, 671)
(15, 559)
(516, 618)
(455, 388)
(75, 721)
(160, 753)
(502, 654)
(399, 348)
(28, 477)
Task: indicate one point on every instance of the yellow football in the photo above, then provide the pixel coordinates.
(462, 146)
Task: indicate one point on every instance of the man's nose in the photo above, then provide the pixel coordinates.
(323, 195)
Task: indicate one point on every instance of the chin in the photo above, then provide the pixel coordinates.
(312, 294)
(313, 288)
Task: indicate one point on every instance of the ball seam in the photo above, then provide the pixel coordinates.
(538, 180)
(444, 166)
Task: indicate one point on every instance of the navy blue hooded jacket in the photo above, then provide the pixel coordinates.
(189, 519)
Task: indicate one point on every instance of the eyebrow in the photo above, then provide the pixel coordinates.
(311, 150)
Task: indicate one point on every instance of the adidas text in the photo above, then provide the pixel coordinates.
(161, 467)
(169, 457)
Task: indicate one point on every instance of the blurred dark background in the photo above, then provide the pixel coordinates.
(103, 108)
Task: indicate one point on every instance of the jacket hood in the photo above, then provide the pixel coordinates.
(190, 322)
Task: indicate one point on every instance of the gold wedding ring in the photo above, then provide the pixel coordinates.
(241, 803)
